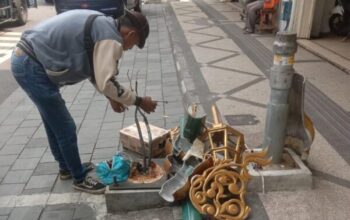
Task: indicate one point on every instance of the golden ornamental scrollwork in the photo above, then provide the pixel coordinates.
(220, 190)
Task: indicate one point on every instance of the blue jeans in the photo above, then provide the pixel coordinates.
(59, 124)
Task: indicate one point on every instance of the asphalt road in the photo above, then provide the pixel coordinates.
(9, 35)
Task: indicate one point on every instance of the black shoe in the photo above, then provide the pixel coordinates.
(66, 175)
(90, 185)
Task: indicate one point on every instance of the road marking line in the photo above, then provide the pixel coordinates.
(7, 44)
(9, 38)
(11, 33)
(2, 51)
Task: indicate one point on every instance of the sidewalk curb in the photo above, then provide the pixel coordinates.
(185, 81)
(325, 54)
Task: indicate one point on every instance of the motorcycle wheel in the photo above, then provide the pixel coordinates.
(337, 24)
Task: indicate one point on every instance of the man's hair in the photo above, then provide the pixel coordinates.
(125, 21)
(139, 22)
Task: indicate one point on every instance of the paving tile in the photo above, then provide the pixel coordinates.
(103, 153)
(111, 126)
(12, 121)
(5, 137)
(40, 133)
(5, 211)
(3, 171)
(38, 142)
(85, 157)
(18, 140)
(26, 213)
(77, 113)
(63, 214)
(159, 214)
(28, 132)
(86, 148)
(11, 189)
(11, 149)
(42, 181)
(47, 157)
(63, 186)
(7, 129)
(83, 212)
(32, 152)
(21, 176)
(46, 169)
(79, 107)
(30, 123)
(108, 133)
(107, 143)
(7, 160)
(25, 164)
(2, 143)
(36, 191)
(58, 207)
(34, 116)
(3, 217)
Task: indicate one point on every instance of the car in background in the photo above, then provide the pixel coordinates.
(15, 10)
(113, 8)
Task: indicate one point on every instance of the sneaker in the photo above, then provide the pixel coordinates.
(90, 185)
(66, 175)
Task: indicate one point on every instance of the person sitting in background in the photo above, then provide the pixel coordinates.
(252, 15)
(252, 12)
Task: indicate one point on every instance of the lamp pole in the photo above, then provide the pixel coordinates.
(281, 75)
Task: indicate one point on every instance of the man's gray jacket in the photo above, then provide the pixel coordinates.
(58, 45)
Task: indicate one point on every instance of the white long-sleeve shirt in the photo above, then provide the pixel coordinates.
(105, 58)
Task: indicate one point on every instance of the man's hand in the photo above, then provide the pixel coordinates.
(147, 104)
(117, 106)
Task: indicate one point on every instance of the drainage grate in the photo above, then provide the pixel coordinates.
(247, 119)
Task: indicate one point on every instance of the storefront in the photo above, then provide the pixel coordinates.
(308, 18)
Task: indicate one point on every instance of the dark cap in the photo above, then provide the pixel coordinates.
(140, 22)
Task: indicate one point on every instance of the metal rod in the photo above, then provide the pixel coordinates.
(142, 143)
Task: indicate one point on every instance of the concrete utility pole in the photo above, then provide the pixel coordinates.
(281, 76)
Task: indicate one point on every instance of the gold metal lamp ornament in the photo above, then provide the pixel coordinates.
(220, 190)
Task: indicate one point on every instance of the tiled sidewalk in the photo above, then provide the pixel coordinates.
(28, 172)
(215, 63)
(235, 69)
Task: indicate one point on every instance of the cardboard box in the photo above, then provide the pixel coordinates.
(129, 137)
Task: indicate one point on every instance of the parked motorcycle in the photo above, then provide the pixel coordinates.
(339, 22)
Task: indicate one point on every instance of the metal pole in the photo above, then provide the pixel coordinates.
(281, 75)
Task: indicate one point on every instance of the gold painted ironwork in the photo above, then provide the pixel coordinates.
(220, 190)
(225, 142)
